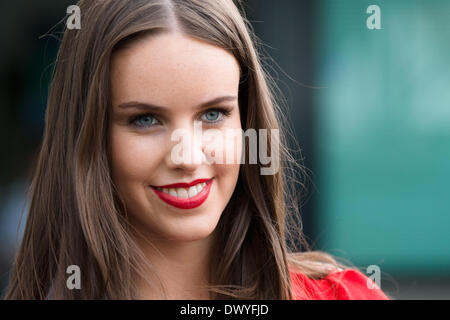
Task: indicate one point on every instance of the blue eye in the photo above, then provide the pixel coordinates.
(212, 116)
(143, 121)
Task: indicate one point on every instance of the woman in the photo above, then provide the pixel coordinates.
(110, 196)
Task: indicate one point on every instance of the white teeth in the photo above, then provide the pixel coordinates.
(200, 187)
(184, 192)
(192, 191)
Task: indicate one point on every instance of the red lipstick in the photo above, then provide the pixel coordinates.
(185, 203)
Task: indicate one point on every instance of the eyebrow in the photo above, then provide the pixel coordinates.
(152, 107)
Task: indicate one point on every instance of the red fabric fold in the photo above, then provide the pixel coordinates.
(348, 284)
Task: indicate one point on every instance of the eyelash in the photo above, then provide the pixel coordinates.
(224, 111)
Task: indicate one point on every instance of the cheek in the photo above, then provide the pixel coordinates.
(227, 177)
(228, 169)
(223, 147)
(133, 157)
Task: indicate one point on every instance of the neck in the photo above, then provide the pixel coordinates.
(182, 267)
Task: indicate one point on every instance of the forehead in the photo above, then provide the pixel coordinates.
(167, 67)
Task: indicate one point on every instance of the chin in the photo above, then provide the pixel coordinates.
(192, 234)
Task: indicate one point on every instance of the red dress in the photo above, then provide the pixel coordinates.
(348, 284)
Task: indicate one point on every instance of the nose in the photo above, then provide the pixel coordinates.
(187, 149)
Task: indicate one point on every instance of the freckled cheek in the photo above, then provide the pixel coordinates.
(233, 149)
(227, 167)
(223, 147)
(134, 159)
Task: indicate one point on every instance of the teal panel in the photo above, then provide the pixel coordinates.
(384, 134)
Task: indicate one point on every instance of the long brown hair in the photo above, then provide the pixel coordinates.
(77, 217)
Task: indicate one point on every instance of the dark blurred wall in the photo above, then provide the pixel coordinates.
(287, 30)
(26, 59)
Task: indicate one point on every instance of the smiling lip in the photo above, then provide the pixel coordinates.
(185, 203)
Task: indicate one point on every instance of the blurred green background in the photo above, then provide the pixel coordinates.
(384, 134)
(370, 110)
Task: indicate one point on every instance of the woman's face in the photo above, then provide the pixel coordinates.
(161, 84)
